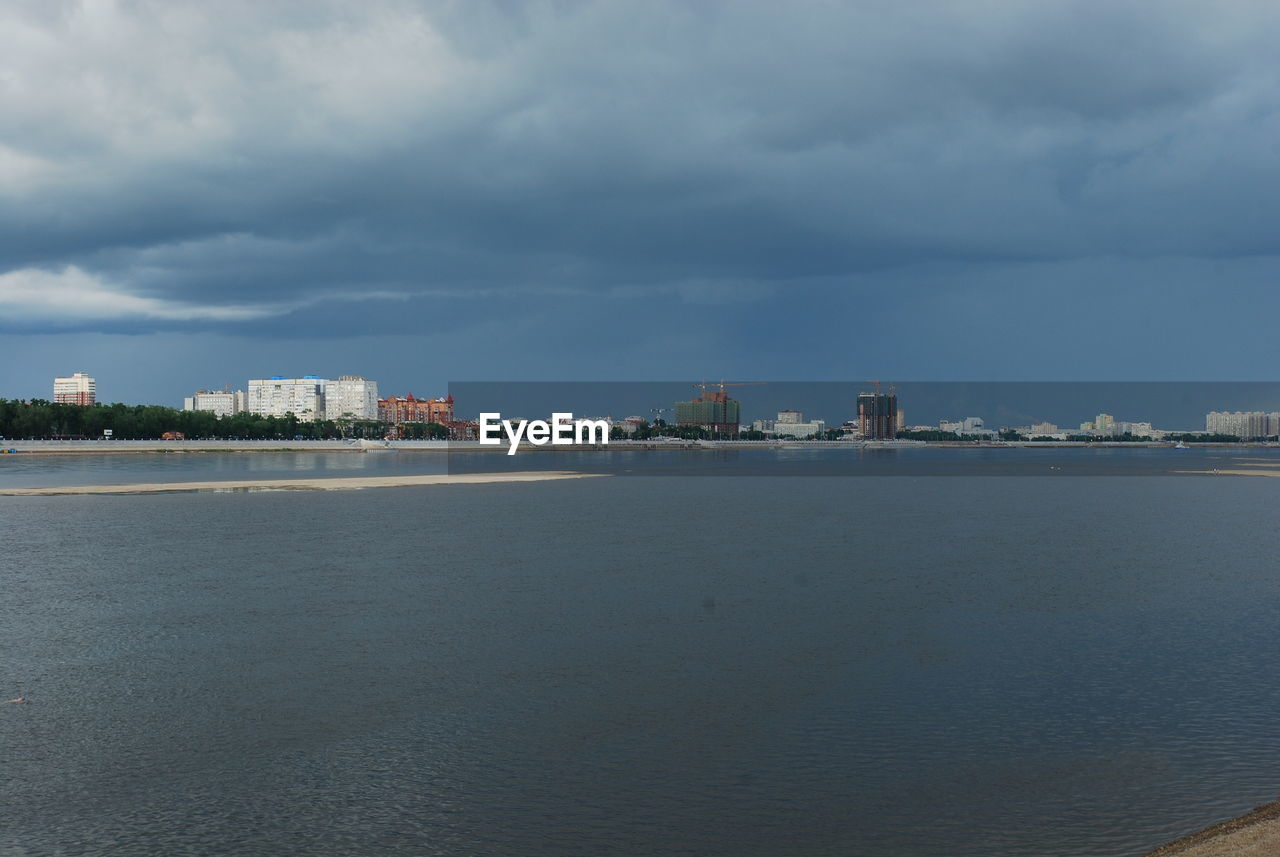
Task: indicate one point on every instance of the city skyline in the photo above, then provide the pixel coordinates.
(1169, 406)
(423, 194)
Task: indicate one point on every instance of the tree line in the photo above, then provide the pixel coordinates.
(645, 430)
(1010, 434)
(40, 419)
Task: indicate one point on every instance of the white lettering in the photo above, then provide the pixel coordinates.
(539, 432)
(514, 433)
(490, 423)
(590, 428)
(561, 429)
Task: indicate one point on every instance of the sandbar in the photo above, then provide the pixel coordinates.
(345, 483)
(1229, 472)
(1254, 835)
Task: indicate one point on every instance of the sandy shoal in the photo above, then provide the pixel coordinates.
(1229, 472)
(1254, 835)
(302, 484)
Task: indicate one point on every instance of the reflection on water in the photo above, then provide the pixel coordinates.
(909, 461)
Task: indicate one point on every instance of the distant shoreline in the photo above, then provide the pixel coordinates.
(1256, 832)
(112, 447)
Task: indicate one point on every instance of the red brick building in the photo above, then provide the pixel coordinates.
(413, 410)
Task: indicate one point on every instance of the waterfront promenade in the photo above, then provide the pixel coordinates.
(99, 447)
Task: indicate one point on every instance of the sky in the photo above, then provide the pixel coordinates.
(194, 194)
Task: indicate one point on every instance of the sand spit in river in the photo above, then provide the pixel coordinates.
(1254, 835)
(296, 484)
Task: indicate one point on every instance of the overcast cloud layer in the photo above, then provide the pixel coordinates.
(426, 192)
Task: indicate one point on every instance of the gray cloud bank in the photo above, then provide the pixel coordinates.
(307, 168)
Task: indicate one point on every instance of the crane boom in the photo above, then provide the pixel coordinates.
(722, 384)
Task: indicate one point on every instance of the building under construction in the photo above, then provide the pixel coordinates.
(714, 411)
(878, 415)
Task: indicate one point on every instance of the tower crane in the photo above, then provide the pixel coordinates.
(722, 384)
(876, 384)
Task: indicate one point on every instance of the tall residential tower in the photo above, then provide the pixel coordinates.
(878, 415)
(351, 396)
(79, 389)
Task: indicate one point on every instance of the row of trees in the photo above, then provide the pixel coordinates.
(661, 428)
(1142, 438)
(1010, 434)
(42, 419)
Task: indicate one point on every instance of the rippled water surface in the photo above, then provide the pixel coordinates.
(751, 666)
(32, 470)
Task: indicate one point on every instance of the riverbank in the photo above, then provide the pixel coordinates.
(109, 447)
(298, 484)
(1256, 834)
(101, 447)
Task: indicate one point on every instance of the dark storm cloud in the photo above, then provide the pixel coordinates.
(308, 167)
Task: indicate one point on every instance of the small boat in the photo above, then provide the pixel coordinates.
(1181, 445)
(366, 444)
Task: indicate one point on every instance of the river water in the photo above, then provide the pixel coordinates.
(1027, 664)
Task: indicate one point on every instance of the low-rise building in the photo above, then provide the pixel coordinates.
(630, 425)
(790, 417)
(413, 410)
(972, 426)
(1138, 429)
(790, 424)
(223, 403)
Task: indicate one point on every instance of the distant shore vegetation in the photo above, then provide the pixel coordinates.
(940, 436)
(39, 419)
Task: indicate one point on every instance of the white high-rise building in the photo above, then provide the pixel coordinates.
(276, 396)
(351, 396)
(79, 389)
(223, 403)
(1242, 424)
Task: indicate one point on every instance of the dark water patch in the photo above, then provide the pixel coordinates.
(647, 666)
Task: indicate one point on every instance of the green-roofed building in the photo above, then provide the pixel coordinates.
(714, 411)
